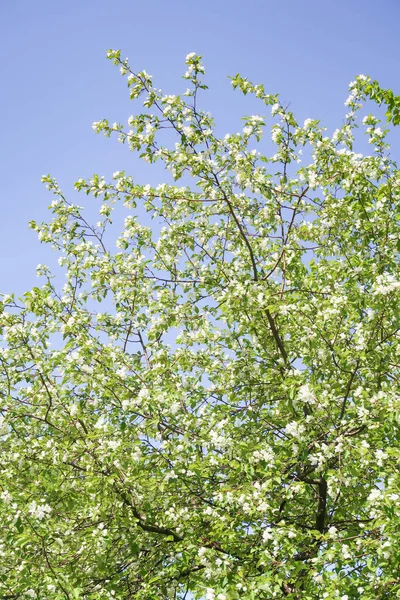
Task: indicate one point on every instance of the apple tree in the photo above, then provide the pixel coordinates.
(208, 405)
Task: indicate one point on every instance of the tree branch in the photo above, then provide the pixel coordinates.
(321, 509)
(145, 526)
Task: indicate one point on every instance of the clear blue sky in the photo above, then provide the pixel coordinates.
(56, 82)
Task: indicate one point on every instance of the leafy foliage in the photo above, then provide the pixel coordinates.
(218, 414)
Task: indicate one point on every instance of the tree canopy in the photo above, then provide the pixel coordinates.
(209, 405)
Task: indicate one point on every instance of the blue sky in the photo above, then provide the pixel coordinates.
(56, 82)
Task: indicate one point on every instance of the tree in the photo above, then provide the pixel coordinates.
(218, 416)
